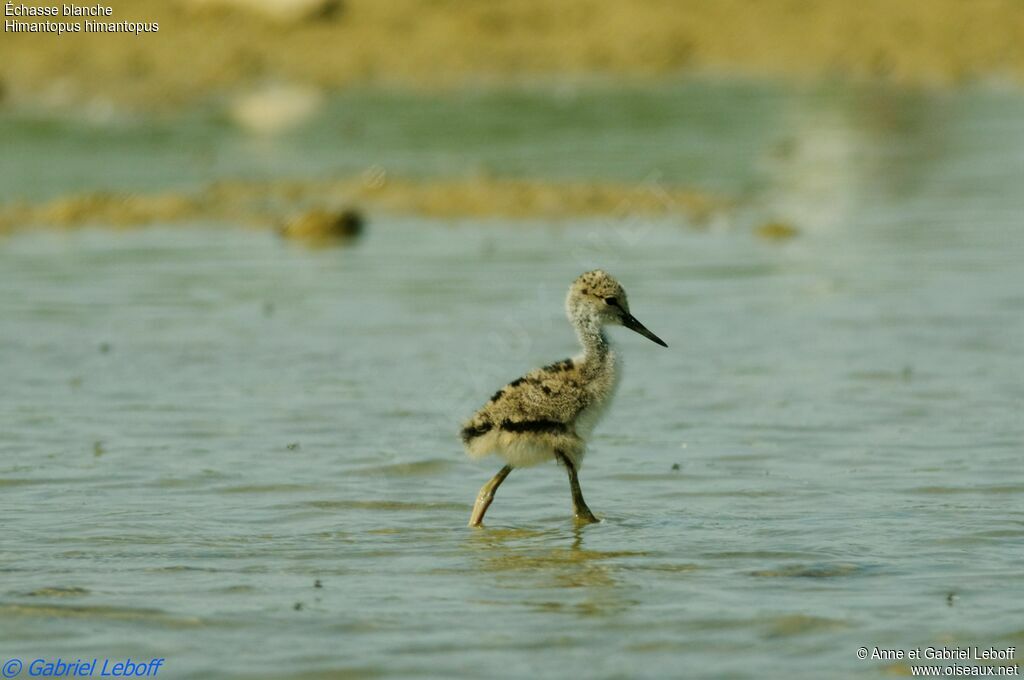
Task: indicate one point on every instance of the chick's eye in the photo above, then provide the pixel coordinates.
(611, 301)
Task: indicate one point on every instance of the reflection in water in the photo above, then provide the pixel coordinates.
(554, 559)
(814, 174)
(843, 147)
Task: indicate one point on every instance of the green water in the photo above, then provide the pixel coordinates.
(200, 424)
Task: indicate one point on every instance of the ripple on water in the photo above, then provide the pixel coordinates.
(59, 591)
(735, 555)
(98, 612)
(21, 482)
(813, 571)
(267, 488)
(420, 468)
(407, 506)
(668, 567)
(792, 625)
(336, 673)
(990, 489)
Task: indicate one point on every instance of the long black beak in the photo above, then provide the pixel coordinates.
(630, 322)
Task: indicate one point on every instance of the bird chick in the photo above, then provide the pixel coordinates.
(549, 412)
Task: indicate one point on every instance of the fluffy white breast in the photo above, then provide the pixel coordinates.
(601, 389)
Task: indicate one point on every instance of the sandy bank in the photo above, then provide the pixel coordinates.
(273, 204)
(208, 47)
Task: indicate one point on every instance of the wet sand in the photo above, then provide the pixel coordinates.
(275, 203)
(210, 48)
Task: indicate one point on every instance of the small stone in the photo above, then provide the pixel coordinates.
(322, 226)
(777, 231)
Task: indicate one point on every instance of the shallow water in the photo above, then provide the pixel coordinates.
(202, 424)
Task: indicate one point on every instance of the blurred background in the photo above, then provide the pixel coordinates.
(260, 264)
(464, 105)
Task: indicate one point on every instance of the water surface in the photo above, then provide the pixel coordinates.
(242, 456)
